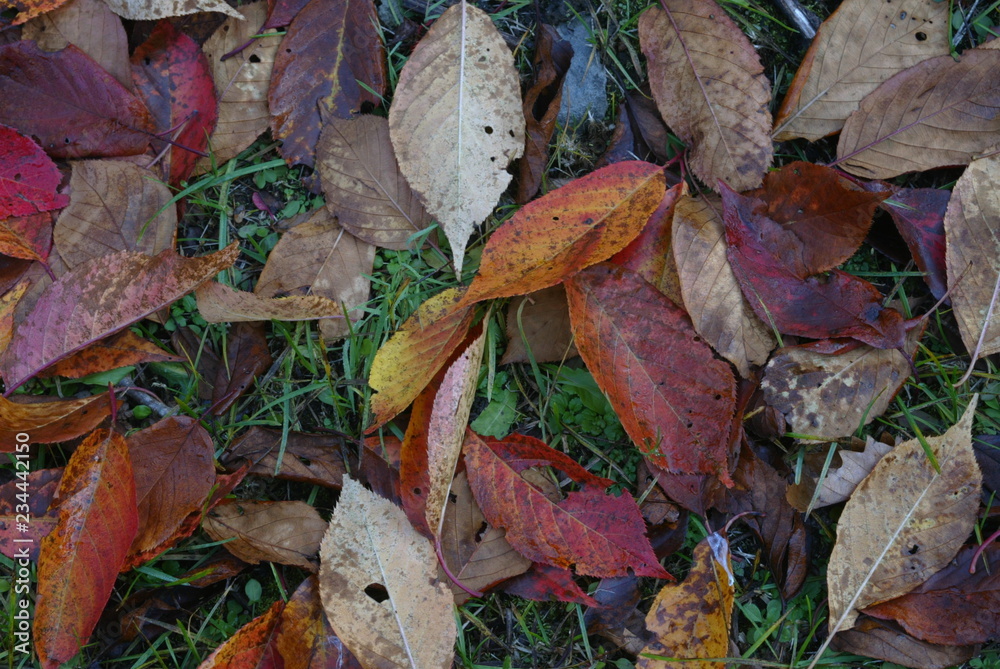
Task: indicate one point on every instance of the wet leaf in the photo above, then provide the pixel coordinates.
(544, 320)
(28, 178)
(545, 583)
(119, 350)
(218, 303)
(51, 422)
(711, 90)
(456, 121)
(287, 532)
(675, 400)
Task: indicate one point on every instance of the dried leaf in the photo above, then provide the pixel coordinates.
(80, 559)
(97, 299)
(15, 540)
(602, 535)
(28, 9)
(304, 638)
(218, 303)
(363, 185)
(112, 208)
(251, 645)
(119, 350)
(8, 303)
(27, 237)
(330, 58)
(456, 121)
(650, 255)
(151, 10)
(543, 317)
(582, 223)
(939, 112)
(51, 422)
(711, 90)
(28, 178)
(309, 458)
(288, 532)
(840, 482)
(919, 216)
(675, 399)
(904, 522)
(378, 581)
(69, 103)
(712, 296)
(247, 356)
(885, 641)
(857, 48)
(545, 583)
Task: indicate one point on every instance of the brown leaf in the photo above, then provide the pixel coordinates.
(309, 458)
(939, 112)
(456, 121)
(712, 296)
(247, 356)
(331, 58)
(251, 645)
(650, 255)
(304, 638)
(543, 318)
(617, 619)
(174, 474)
(8, 304)
(379, 585)
(857, 48)
(51, 422)
(119, 350)
(218, 303)
(144, 10)
(874, 638)
(287, 532)
(43, 484)
(840, 482)
(711, 90)
(904, 522)
(363, 185)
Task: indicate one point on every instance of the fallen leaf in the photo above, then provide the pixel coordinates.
(97, 299)
(379, 586)
(172, 75)
(115, 206)
(919, 217)
(51, 422)
(617, 618)
(42, 484)
(145, 10)
(363, 185)
(379, 467)
(304, 638)
(92, 27)
(331, 58)
(69, 103)
(218, 303)
(711, 90)
(937, 611)
(241, 83)
(711, 294)
(584, 222)
(456, 121)
(8, 303)
(840, 482)
(119, 350)
(695, 492)
(25, 10)
(287, 532)
(80, 559)
(540, 107)
(545, 583)
(857, 48)
(830, 390)
(415, 353)
(251, 645)
(888, 642)
(308, 458)
(904, 522)
(174, 473)
(27, 237)
(540, 322)
(767, 262)
(971, 226)
(650, 255)
(675, 399)
(602, 535)
(28, 178)
(283, 12)
(936, 113)
(247, 356)
(648, 122)
(690, 620)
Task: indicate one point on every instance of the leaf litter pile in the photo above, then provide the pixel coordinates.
(703, 292)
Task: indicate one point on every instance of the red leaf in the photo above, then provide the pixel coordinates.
(80, 559)
(69, 103)
(28, 237)
(650, 255)
(601, 534)
(544, 583)
(768, 263)
(252, 647)
(98, 298)
(28, 177)
(39, 487)
(281, 13)
(674, 398)
(173, 76)
(919, 216)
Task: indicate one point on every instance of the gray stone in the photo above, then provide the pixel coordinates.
(584, 89)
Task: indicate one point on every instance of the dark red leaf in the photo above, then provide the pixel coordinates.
(69, 103)
(919, 216)
(282, 12)
(28, 177)
(247, 357)
(650, 255)
(38, 487)
(545, 583)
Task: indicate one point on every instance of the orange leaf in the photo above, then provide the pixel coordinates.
(304, 639)
(582, 223)
(252, 645)
(51, 422)
(28, 237)
(120, 350)
(80, 559)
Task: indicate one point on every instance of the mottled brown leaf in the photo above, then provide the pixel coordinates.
(218, 303)
(119, 350)
(288, 532)
(247, 356)
(875, 638)
(51, 422)
(543, 318)
(151, 10)
(309, 458)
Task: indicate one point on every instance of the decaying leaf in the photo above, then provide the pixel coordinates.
(118, 350)
(310, 458)
(29, 9)
(28, 178)
(709, 288)
(543, 317)
(27, 237)
(43, 484)
(858, 47)
(919, 217)
(304, 638)
(456, 121)
(711, 90)
(650, 254)
(288, 532)
(151, 10)
(218, 303)
(840, 482)
(251, 645)
(886, 641)
(379, 585)
(247, 356)
(51, 422)
(904, 522)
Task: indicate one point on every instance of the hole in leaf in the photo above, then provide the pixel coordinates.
(481, 531)
(417, 491)
(377, 592)
(921, 37)
(488, 129)
(452, 498)
(254, 58)
(305, 461)
(555, 218)
(914, 550)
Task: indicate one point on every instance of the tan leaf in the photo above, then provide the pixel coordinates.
(456, 121)
(320, 258)
(363, 185)
(371, 548)
(112, 203)
(711, 90)
(151, 10)
(711, 294)
(972, 252)
(827, 393)
(858, 47)
(285, 532)
(92, 28)
(8, 303)
(241, 83)
(543, 316)
(904, 522)
(51, 422)
(938, 112)
(840, 482)
(218, 303)
(690, 620)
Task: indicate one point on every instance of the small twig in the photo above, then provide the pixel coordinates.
(979, 551)
(145, 398)
(800, 16)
